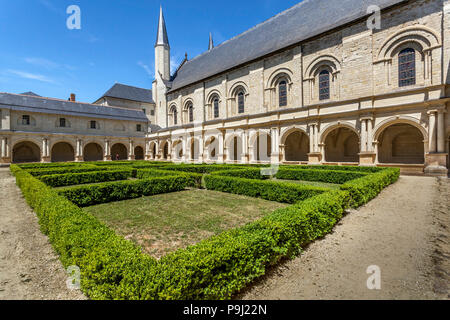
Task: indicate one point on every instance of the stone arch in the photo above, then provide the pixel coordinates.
(119, 152)
(399, 120)
(62, 152)
(400, 142)
(26, 151)
(212, 148)
(173, 115)
(177, 149)
(327, 60)
(165, 150)
(341, 144)
(423, 36)
(139, 153)
(93, 152)
(210, 104)
(194, 148)
(296, 145)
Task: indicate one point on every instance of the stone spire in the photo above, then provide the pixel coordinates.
(211, 42)
(162, 39)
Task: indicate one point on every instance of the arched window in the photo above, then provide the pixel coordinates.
(191, 112)
(282, 92)
(174, 115)
(216, 107)
(324, 85)
(407, 67)
(241, 102)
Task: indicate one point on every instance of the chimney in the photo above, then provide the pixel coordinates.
(72, 97)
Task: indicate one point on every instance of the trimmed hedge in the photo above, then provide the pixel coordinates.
(367, 188)
(333, 168)
(269, 190)
(50, 171)
(328, 176)
(248, 173)
(201, 168)
(194, 180)
(104, 258)
(70, 179)
(216, 268)
(48, 165)
(89, 195)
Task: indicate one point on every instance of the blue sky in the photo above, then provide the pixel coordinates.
(116, 41)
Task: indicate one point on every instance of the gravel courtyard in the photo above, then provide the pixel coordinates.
(404, 232)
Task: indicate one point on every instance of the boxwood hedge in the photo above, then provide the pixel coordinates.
(89, 195)
(328, 176)
(269, 190)
(216, 268)
(70, 179)
(51, 171)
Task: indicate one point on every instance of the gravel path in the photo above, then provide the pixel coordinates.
(404, 231)
(29, 268)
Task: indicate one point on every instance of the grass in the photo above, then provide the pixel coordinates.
(312, 183)
(165, 223)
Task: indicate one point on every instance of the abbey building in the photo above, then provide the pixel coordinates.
(313, 85)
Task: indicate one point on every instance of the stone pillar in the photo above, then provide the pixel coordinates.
(45, 151)
(366, 157)
(221, 151)
(169, 150)
(201, 149)
(363, 135)
(436, 159)
(4, 142)
(275, 155)
(131, 156)
(185, 157)
(79, 154)
(315, 156)
(244, 156)
(5, 156)
(432, 132)
(107, 153)
(441, 131)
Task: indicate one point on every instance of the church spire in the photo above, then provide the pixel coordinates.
(162, 39)
(211, 42)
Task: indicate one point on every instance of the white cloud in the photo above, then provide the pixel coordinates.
(147, 69)
(41, 62)
(31, 76)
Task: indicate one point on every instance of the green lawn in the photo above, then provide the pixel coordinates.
(164, 223)
(312, 183)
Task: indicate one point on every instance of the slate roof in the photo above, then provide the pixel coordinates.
(26, 103)
(30, 93)
(299, 23)
(122, 91)
(161, 36)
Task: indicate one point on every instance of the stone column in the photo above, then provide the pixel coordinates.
(244, 156)
(201, 149)
(441, 131)
(4, 141)
(45, 151)
(79, 156)
(221, 151)
(169, 150)
(432, 132)
(185, 151)
(369, 135)
(275, 156)
(315, 156)
(107, 151)
(436, 159)
(131, 151)
(363, 135)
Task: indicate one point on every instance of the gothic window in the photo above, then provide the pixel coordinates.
(282, 91)
(324, 85)
(407, 67)
(216, 108)
(241, 102)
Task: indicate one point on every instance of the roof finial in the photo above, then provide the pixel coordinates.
(211, 42)
(162, 39)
